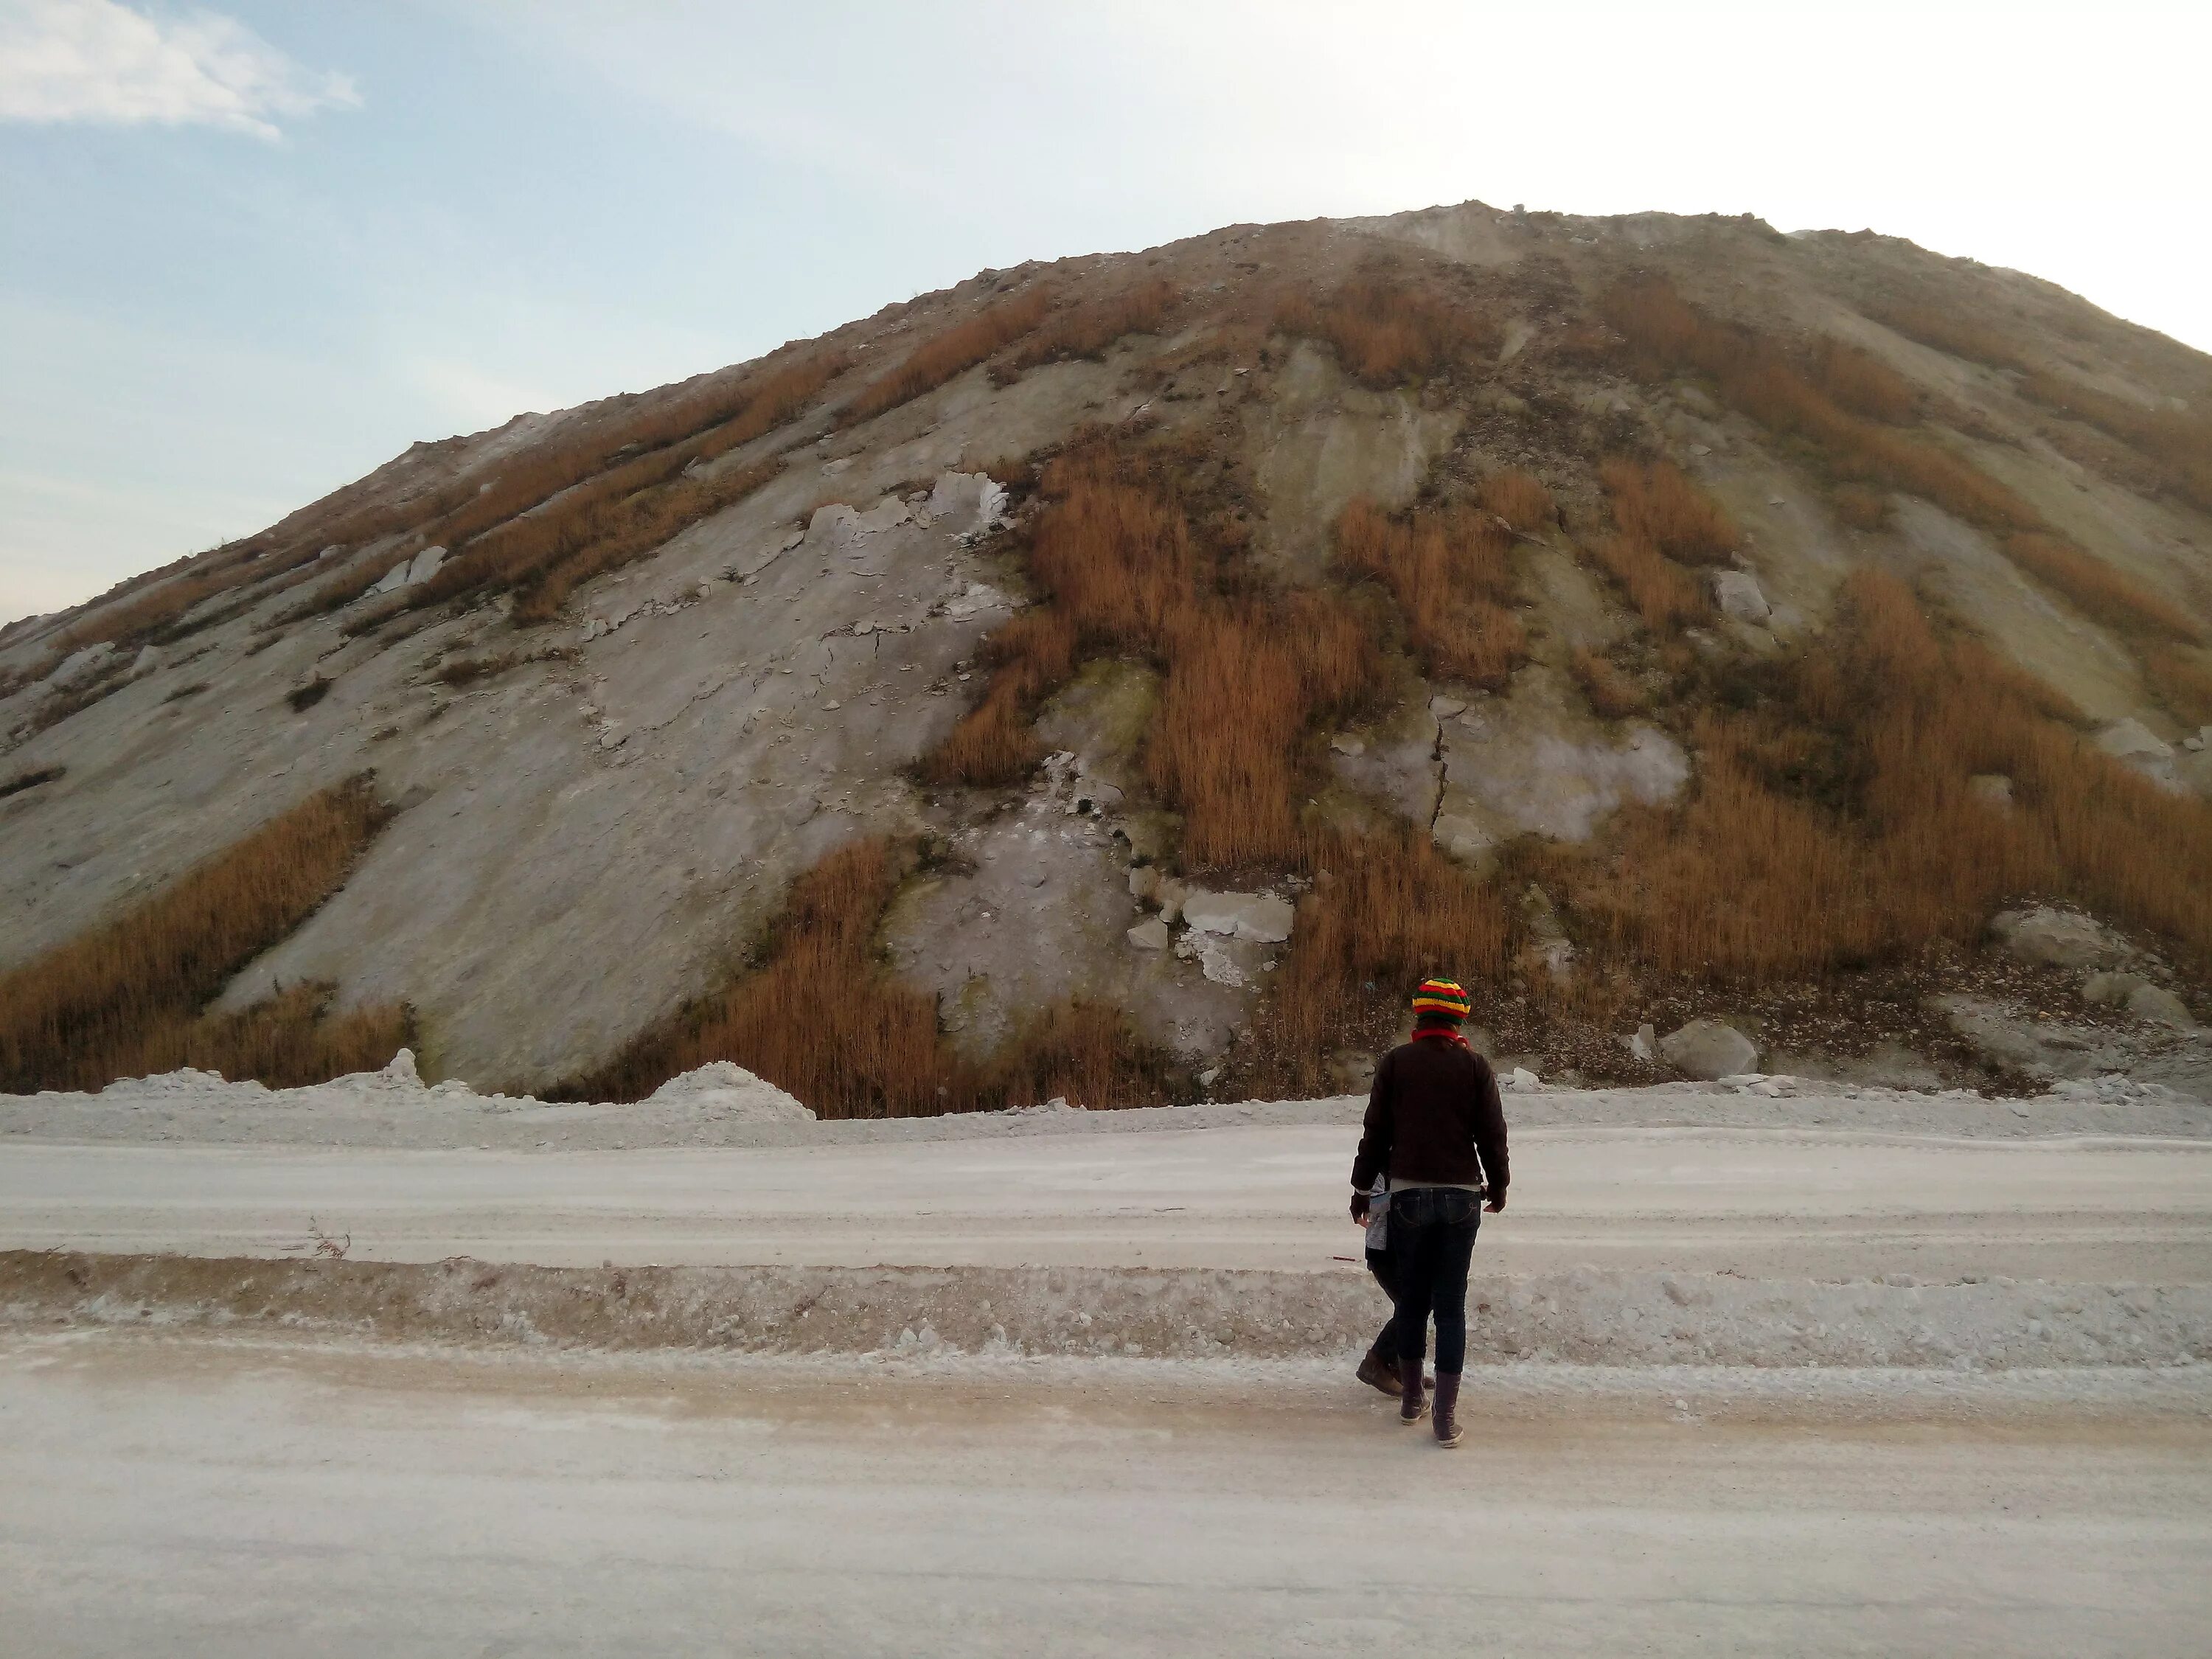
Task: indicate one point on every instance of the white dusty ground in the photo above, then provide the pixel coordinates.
(197, 1496)
(1762, 1204)
(1752, 1369)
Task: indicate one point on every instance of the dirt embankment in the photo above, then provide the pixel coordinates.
(1586, 1317)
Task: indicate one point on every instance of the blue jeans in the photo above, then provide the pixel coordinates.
(1432, 1237)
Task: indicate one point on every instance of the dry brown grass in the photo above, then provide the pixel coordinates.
(610, 517)
(953, 351)
(1388, 328)
(287, 1041)
(1835, 827)
(2098, 590)
(1860, 507)
(1658, 504)
(673, 429)
(1666, 335)
(1450, 573)
(1087, 330)
(1385, 911)
(2183, 681)
(1032, 655)
(1664, 594)
(2180, 441)
(1519, 499)
(1116, 557)
(1083, 1053)
(1861, 383)
(1247, 674)
(1973, 338)
(82, 1013)
(819, 1016)
(1611, 692)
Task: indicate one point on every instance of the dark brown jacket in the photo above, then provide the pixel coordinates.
(1433, 1119)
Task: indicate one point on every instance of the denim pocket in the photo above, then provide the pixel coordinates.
(1454, 1208)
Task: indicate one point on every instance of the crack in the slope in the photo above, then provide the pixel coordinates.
(1437, 760)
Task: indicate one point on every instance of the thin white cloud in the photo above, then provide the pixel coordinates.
(100, 62)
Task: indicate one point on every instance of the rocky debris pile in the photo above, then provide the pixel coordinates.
(2140, 998)
(727, 1088)
(1232, 937)
(2111, 1089)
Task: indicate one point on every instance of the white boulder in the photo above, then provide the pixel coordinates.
(2059, 937)
(80, 666)
(1709, 1048)
(1151, 934)
(964, 503)
(1260, 917)
(1738, 595)
(2135, 744)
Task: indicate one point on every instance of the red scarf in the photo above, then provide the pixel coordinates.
(1443, 1034)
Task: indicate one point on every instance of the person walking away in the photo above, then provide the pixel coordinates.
(1436, 1131)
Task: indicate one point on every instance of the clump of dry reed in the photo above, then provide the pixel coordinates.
(1753, 373)
(2180, 441)
(1247, 674)
(2099, 591)
(2183, 681)
(1031, 656)
(674, 430)
(1083, 1053)
(1762, 874)
(819, 1016)
(1666, 335)
(1962, 334)
(1861, 383)
(1519, 498)
(1088, 329)
(1664, 594)
(81, 1014)
(1860, 507)
(1611, 692)
(1659, 504)
(1450, 573)
(1388, 328)
(1385, 910)
(294, 1038)
(952, 351)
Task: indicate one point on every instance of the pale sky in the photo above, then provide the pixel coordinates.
(249, 251)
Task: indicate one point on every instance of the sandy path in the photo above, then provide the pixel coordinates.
(1765, 1204)
(203, 1497)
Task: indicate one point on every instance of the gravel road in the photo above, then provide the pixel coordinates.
(204, 1497)
(1762, 1204)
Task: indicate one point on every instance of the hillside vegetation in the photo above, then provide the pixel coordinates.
(1638, 619)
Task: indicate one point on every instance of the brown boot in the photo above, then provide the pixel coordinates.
(1380, 1374)
(1413, 1403)
(1448, 1408)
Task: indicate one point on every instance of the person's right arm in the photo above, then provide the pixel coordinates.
(1490, 1139)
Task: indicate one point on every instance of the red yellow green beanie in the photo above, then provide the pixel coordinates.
(1441, 996)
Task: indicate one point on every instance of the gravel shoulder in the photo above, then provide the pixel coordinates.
(393, 1109)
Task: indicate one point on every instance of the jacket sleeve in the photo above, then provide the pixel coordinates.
(1489, 1133)
(1373, 1158)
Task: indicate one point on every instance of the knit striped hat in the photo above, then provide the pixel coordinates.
(1441, 996)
